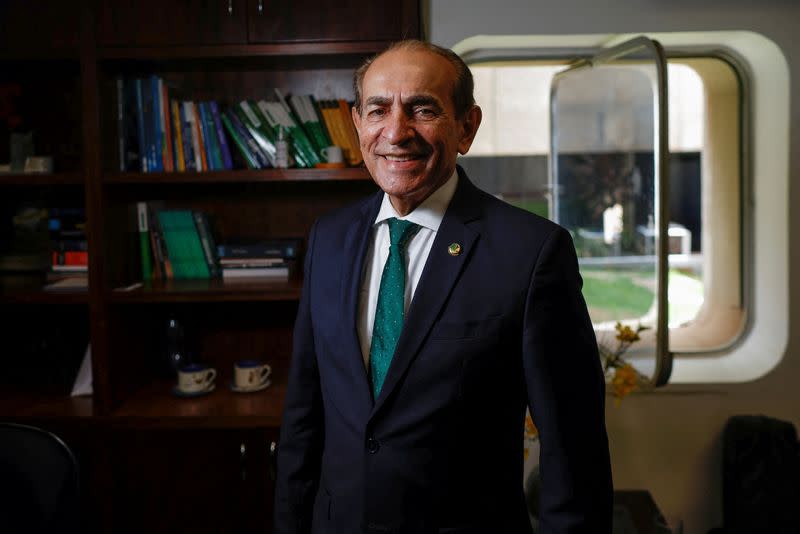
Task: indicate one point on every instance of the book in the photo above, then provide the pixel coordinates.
(191, 130)
(140, 125)
(166, 127)
(227, 162)
(286, 248)
(155, 126)
(144, 241)
(277, 272)
(247, 157)
(200, 138)
(183, 244)
(207, 241)
(210, 135)
(187, 138)
(180, 163)
(120, 83)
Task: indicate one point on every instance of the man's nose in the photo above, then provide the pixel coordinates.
(398, 127)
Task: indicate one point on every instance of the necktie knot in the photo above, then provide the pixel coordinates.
(400, 231)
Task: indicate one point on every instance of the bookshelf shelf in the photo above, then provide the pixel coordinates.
(24, 405)
(155, 406)
(27, 289)
(239, 176)
(175, 291)
(31, 179)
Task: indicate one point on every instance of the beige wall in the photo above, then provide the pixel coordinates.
(669, 441)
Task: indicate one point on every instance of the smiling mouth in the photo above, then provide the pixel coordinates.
(403, 157)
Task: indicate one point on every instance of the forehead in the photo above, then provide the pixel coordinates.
(405, 73)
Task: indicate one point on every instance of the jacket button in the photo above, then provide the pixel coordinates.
(373, 445)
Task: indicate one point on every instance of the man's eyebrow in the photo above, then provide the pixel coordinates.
(423, 100)
(378, 101)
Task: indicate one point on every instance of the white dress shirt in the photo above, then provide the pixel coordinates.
(428, 216)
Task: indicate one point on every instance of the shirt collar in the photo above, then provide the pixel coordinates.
(428, 214)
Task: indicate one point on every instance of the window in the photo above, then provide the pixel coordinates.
(603, 154)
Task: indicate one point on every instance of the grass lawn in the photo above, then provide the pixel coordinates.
(628, 294)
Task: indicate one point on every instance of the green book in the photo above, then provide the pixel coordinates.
(184, 245)
(249, 159)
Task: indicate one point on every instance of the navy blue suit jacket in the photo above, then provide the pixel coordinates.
(501, 326)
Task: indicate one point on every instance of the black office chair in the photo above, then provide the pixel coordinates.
(38, 482)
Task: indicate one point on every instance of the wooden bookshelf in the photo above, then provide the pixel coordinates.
(41, 179)
(19, 405)
(155, 406)
(166, 457)
(213, 290)
(28, 289)
(239, 176)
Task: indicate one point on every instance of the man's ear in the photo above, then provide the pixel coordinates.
(470, 124)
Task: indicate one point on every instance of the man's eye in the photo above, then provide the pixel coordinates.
(425, 112)
(377, 112)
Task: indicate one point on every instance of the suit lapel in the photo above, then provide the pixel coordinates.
(355, 249)
(440, 274)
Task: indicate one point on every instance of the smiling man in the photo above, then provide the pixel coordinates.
(432, 315)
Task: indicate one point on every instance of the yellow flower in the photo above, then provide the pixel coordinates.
(625, 380)
(626, 333)
(531, 432)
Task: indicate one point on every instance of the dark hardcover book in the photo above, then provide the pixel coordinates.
(286, 248)
(65, 245)
(207, 241)
(225, 150)
(130, 129)
(140, 125)
(156, 146)
(252, 145)
(243, 154)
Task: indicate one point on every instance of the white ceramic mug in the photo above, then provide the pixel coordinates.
(195, 377)
(333, 154)
(249, 374)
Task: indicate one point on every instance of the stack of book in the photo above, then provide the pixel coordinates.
(258, 260)
(160, 133)
(69, 247)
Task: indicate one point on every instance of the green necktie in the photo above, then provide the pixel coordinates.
(390, 311)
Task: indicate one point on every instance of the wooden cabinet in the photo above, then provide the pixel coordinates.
(159, 23)
(192, 480)
(330, 20)
(176, 464)
(123, 23)
(44, 27)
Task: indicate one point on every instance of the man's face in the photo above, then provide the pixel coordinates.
(408, 131)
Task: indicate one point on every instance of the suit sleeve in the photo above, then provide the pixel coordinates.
(301, 437)
(566, 395)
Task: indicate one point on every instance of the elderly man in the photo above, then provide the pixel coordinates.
(432, 314)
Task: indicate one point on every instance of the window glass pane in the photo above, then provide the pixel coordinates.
(509, 159)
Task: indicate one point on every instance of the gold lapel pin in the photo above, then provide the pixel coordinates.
(454, 249)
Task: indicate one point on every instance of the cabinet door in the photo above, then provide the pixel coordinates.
(180, 481)
(52, 26)
(331, 20)
(173, 23)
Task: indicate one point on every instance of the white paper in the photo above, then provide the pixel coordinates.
(83, 382)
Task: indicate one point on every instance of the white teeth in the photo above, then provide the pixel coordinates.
(400, 158)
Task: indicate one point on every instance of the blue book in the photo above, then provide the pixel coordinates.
(208, 137)
(252, 146)
(227, 161)
(158, 134)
